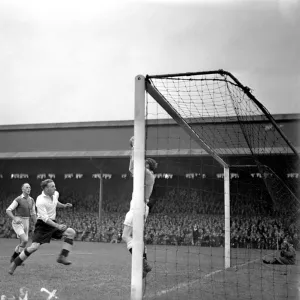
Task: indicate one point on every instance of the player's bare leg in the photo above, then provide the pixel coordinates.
(69, 235)
(22, 257)
(19, 248)
(127, 238)
(146, 267)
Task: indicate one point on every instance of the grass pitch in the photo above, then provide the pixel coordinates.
(102, 271)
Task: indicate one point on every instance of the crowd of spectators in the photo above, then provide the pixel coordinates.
(179, 217)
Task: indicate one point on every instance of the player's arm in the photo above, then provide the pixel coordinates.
(151, 203)
(61, 205)
(131, 141)
(10, 209)
(289, 253)
(131, 163)
(33, 213)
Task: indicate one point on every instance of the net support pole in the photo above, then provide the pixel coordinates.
(138, 189)
(100, 195)
(227, 217)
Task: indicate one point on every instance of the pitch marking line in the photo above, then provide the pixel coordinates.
(185, 284)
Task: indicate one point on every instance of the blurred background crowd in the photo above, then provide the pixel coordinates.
(180, 216)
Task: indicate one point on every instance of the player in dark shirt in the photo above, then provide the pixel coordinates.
(20, 211)
(287, 255)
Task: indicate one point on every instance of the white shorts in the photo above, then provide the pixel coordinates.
(21, 228)
(129, 217)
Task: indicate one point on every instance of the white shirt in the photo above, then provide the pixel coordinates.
(149, 181)
(46, 206)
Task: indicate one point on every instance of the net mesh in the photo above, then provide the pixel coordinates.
(185, 229)
(202, 100)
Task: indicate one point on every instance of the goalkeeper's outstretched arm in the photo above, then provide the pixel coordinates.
(131, 141)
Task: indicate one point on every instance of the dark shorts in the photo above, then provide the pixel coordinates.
(43, 233)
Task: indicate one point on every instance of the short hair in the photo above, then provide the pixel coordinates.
(24, 184)
(152, 163)
(45, 183)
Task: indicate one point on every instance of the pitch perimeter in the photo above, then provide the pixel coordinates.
(102, 271)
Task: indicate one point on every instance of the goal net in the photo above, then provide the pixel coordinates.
(224, 196)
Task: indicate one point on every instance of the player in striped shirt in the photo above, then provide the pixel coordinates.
(20, 211)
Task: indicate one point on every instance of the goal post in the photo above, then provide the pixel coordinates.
(141, 87)
(219, 128)
(138, 189)
(162, 101)
(227, 217)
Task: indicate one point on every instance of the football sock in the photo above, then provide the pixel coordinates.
(67, 247)
(22, 257)
(15, 255)
(144, 254)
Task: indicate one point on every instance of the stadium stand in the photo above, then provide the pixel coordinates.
(178, 218)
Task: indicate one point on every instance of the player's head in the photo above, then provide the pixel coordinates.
(48, 186)
(286, 243)
(151, 164)
(26, 188)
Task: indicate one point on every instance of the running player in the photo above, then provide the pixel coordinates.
(46, 227)
(24, 208)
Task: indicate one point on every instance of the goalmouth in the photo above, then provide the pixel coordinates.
(190, 99)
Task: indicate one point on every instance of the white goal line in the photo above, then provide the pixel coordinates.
(186, 284)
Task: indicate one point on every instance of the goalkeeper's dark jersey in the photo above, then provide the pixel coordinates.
(288, 255)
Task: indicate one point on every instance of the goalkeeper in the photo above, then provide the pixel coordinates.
(150, 166)
(287, 255)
